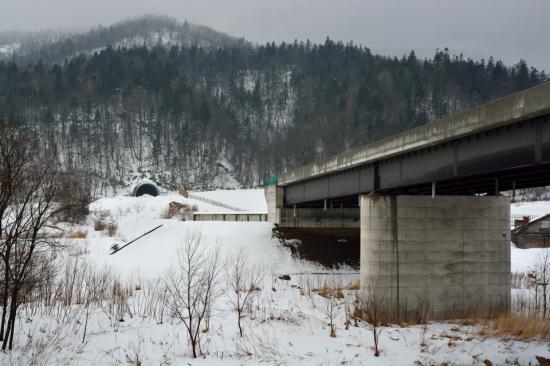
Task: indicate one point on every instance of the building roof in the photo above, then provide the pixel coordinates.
(520, 229)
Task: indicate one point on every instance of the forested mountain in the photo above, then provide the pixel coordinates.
(203, 117)
(149, 30)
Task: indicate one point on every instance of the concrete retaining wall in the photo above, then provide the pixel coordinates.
(447, 256)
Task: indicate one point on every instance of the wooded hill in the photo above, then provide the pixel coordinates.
(234, 114)
(55, 46)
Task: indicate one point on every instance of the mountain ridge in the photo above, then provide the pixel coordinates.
(150, 30)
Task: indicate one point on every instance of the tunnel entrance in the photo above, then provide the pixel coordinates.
(149, 188)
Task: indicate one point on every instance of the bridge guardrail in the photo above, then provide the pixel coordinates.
(318, 217)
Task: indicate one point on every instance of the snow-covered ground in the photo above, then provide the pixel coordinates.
(287, 324)
(531, 208)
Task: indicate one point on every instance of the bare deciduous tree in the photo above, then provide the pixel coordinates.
(330, 292)
(243, 279)
(373, 311)
(191, 286)
(540, 279)
(29, 201)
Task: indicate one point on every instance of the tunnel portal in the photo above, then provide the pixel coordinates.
(143, 188)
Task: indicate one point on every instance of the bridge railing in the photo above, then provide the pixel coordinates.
(319, 218)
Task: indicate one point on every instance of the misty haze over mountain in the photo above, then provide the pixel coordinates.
(506, 29)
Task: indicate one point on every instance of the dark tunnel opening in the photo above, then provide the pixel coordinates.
(146, 188)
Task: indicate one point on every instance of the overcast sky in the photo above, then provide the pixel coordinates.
(507, 29)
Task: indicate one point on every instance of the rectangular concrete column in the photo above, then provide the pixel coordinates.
(274, 196)
(445, 257)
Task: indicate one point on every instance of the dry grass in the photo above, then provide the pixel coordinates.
(78, 234)
(253, 288)
(355, 285)
(323, 291)
(178, 210)
(524, 328)
(326, 291)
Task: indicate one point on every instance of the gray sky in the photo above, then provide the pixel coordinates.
(506, 29)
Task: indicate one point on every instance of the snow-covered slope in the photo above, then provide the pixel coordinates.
(152, 255)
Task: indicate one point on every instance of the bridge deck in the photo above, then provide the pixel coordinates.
(526, 104)
(500, 145)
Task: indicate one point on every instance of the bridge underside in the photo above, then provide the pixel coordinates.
(434, 231)
(511, 157)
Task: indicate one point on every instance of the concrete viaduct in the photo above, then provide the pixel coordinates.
(424, 206)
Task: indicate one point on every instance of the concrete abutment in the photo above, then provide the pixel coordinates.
(274, 195)
(446, 257)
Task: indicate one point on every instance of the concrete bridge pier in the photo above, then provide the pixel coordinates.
(440, 258)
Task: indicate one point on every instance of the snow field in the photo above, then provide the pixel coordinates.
(287, 324)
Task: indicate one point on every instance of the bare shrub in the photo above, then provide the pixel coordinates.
(112, 229)
(330, 309)
(99, 224)
(73, 192)
(243, 279)
(539, 280)
(179, 210)
(372, 310)
(191, 287)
